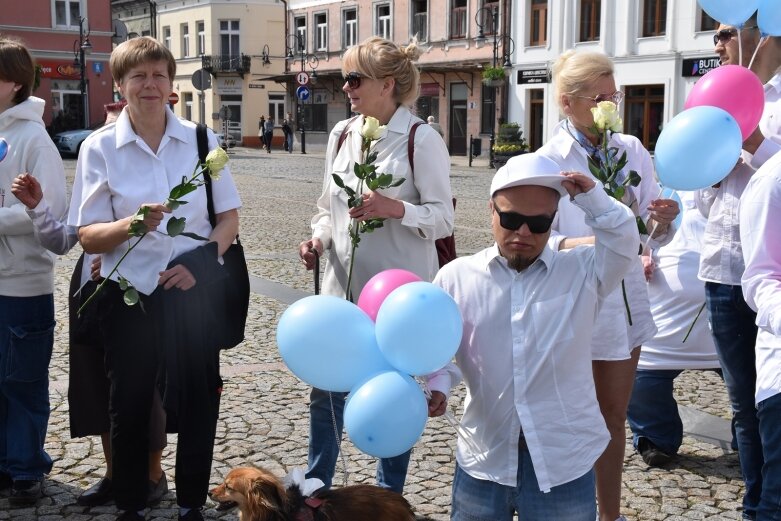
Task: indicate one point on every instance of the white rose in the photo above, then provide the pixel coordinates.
(606, 116)
(371, 129)
(215, 162)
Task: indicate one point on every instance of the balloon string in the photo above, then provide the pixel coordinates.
(656, 223)
(756, 51)
(740, 49)
(460, 431)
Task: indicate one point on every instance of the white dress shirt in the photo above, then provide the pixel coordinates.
(760, 215)
(523, 360)
(614, 338)
(406, 243)
(676, 296)
(722, 258)
(117, 172)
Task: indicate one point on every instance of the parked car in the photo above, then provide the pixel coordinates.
(69, 142)
(225, 143)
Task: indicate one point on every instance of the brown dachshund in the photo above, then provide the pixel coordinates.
(261, 496)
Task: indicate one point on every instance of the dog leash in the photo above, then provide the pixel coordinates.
(337, 437)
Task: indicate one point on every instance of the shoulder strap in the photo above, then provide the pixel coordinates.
(411, 145)
(203, 151)
(343, 135)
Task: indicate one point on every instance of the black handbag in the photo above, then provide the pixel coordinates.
(231, 296)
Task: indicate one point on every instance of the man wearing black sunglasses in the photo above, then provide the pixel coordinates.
(526, 311)
(733, 322)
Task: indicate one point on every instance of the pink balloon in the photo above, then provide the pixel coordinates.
(732, 88)
(380, 286)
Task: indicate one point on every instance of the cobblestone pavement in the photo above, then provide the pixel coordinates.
(264, 408)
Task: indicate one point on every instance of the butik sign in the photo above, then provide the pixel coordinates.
(699, 66)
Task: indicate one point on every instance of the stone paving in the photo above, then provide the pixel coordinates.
(264, 408)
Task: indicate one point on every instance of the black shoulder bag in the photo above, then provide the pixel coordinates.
(231, 296)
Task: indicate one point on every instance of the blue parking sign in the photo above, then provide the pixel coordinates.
(303, 93)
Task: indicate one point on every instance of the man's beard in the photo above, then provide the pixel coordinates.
(519, 262)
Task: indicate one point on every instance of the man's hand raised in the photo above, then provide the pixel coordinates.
(576, 183)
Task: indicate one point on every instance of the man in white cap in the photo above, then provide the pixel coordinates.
(531, 414)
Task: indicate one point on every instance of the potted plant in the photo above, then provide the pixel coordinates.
(493, 76)
(509, 142)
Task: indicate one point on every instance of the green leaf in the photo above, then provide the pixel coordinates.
(641, 226)
(358, 170)
(373, 183)
(173, 204)
(634, 178)
(131, 296)
(622, 161)
(123, 283)
(338, 180)
(354, 202)
(618, 192)
(384, 180)
(397, 182)
(349, 191)
(372, 157)
(194, 236)
(175, 226)
(596, 171)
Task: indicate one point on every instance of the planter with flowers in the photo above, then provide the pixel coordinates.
(493, 76)
(509, 143)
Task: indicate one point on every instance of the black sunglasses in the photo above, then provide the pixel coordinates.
(725, 35)
(353, 79)
(536, 223)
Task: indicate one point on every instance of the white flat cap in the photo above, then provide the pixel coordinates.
(529, 169)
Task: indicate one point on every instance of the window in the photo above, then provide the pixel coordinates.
(67, 13)
(707, 23)
(643, 113)
(654, 17)
(167, 37)
(300, 26)
(458, 19)
(536, 117)
(349, 28)
(321, 32)
(489, 24)
(185, 28)
(590, 11)
(276, 107)
(419, 22)
(229, 39)
(382, 21)
(187, 98)
(487, 109)
(200, 27)
(314, 116)
(538, 30)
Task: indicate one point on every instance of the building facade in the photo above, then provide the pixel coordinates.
(71, 42)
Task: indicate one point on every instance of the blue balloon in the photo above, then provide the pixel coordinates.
(419, 328)
(769, 17)
(3, 148)
(697, 148)
(679, 219)
(386, 415)
(730, 12)
(329, 343)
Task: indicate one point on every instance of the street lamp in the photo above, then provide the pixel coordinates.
(82, 47)
(310, 60)
(508, 46)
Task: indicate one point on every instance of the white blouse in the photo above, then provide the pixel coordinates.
(406, 243)
(117, 172)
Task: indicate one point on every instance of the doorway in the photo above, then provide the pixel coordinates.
(457, 124)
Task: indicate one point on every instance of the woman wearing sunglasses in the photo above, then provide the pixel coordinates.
(381, 81)
(583, 80)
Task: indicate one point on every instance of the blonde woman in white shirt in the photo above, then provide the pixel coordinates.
(135, 163)
(381, 81)
(582, 80)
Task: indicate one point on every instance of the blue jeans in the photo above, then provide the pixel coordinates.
(769, 412)
(26, 343)
(481, 500)
(653, 411)
(324, 447)
(735, 335)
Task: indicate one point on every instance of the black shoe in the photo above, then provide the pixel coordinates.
(5, 481)
(98, 494)
(651, 454)
(130, 515)
(193, 515)
(26, 492)
(157, 490)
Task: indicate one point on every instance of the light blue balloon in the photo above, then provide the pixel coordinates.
(769, 17)
(679, 219)
(697, 148)
(419, 328)
(730, 12)
(329, 343)
(3, 148)
(386, 415)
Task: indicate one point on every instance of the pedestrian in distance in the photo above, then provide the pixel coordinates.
(268, 133)
(287, 130)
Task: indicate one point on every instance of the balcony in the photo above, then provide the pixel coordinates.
(221, 64)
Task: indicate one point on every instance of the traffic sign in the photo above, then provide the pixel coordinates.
(201, 79)
(173, 99)
(302, 78)
(303, 93)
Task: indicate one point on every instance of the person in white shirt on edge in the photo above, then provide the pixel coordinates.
(583, 79)
(760, 215)
(676, 296)
(531, 409)
(721, 265)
